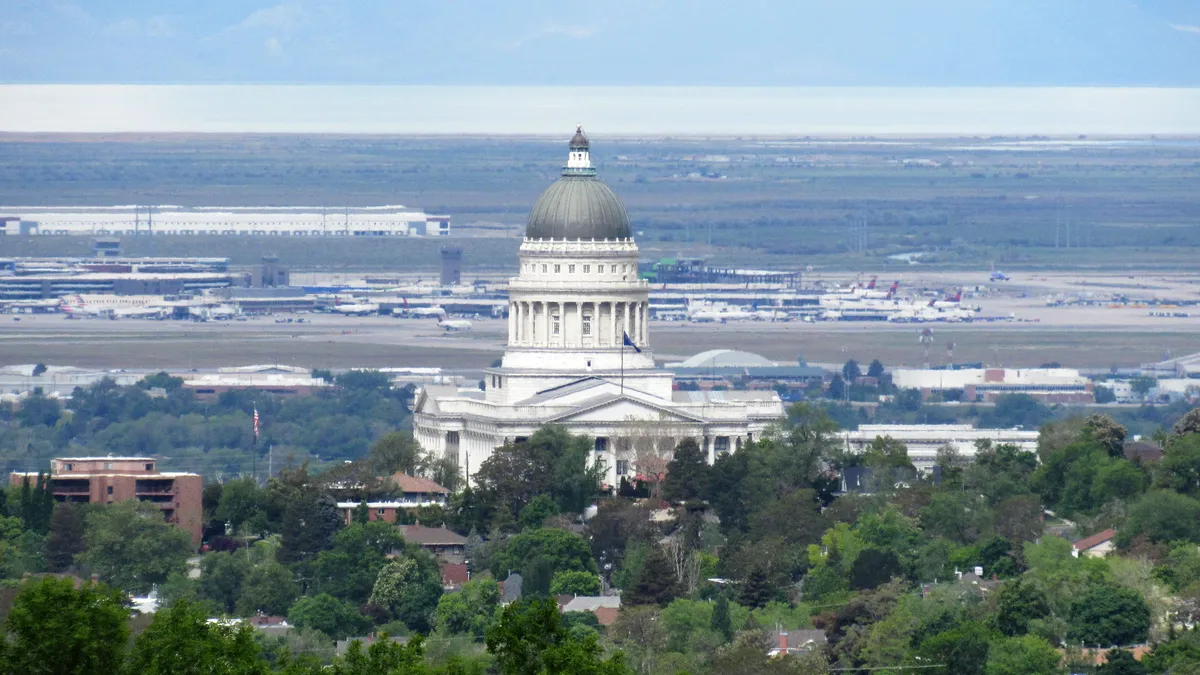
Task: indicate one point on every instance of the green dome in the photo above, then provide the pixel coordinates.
(578, 208)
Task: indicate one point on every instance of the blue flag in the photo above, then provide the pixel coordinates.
(629, 343)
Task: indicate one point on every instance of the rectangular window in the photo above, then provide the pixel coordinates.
(570, 269)
(587, 324)
(601, 444)
(380, 513)
(108, 465)
(554, 320)
(722, 445)
(622, 467)
(587, 269)
(558, 269)
(110, 489)
(543, 269)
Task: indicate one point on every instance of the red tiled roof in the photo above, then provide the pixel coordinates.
(1094, 540)
(606, 616)
(454, 574)
(409, 483)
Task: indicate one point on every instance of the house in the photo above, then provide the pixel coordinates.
(797, 642)
(605, 607)
(1096, 546)
(445, 544)
(413, 492)
(419, 491)
(1140, 452)
(454, 575)
(510, 589)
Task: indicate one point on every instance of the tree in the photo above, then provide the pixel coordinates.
(575, 583)
(1161, 516)
(1181, 464)
(55, 628)
(962, 649)
(1110, 615)
(39, 410)
(873, 568)
(331, 616)
(1188, 424)
(875, 369)
(688, 473)
(1025, 655)
(469, 611)
(1019, 602)
(721, 622)
(269, 588)
(537, 511)
(221, 578)
(349, 568)
(241, 503)
(536, 576)
(181, 641)
(566, 550)
(851, 371)
(409, 588)
(837, 388)
(757, 590)
(130, 546)
(551, 462)
(397, 451)
(656, 585)
(309, 523)
(1120, 662)
(531, 639)
(66, 537)
(1104, 430)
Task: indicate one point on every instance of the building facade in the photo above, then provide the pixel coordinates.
(924, 440)
(578, 351)
(104, 480)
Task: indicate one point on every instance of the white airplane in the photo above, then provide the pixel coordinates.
(454, 325)
(434, 311)
(357, 309)
(948, 303)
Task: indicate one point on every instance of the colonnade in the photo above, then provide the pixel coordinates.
(543, 323)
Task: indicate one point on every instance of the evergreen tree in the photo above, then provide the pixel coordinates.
(362, 514)
(757, 590)
(536, 576)
(657, 584)
(721, 621)
(688, 473)
(65, 540)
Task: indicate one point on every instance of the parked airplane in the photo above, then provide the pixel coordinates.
(999, 276)
(454, 325)
(434, 311)
(357, 309)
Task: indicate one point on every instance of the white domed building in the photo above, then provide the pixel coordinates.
(575, 299)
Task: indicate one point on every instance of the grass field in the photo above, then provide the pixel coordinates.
(788, 202)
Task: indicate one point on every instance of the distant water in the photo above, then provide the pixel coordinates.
(604, 110)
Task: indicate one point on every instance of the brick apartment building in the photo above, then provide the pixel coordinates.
(104, 480)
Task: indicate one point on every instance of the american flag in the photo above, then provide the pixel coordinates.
(256, 425)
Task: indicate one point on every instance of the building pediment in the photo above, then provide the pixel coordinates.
(618, 408)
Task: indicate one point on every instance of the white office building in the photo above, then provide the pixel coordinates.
(576, 295)
(924, 440)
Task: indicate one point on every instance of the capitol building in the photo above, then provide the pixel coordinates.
(579, 351)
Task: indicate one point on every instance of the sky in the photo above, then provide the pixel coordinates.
(859, 43)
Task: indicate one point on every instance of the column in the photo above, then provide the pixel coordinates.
(612, 323)
(625, 307)
(512, 323)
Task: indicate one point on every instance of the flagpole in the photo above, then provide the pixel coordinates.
(622, 364)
